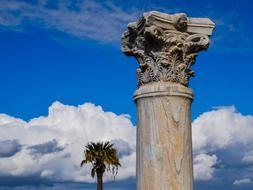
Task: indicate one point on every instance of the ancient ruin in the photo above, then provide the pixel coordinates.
(165, 46)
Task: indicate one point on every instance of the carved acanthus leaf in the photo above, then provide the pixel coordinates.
(165, 51)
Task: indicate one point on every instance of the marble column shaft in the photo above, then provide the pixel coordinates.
(165, 46)
(164, 148)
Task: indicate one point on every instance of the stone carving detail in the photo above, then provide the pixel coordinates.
(164, 47)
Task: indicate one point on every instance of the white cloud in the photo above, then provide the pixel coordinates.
(53, 145)
(242, 181)
(9, 148)
(102, 22)
(203, 166)
(248, 157)
(122, 145)
(221, 128)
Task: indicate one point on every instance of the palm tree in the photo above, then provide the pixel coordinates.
(102, 156)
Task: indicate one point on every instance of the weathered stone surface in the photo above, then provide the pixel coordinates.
(166, 45)
(164, 144)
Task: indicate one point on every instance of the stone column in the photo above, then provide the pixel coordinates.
(165, 47)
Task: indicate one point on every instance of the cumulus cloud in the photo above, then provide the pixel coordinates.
(221, 128)
(123, 147)
(87, 19)
(242, 181)
(203, 166)
(58, 141)
(9, 148)
(216, 131)
(51, 147)
(46, 148)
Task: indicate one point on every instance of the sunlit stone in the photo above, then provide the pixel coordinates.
(165, 47)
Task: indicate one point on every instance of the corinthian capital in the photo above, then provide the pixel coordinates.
(166, 45)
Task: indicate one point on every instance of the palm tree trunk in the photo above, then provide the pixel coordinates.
(100, 181)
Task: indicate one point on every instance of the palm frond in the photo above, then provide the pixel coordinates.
(82, 163)
(101, 156)
(93, 171)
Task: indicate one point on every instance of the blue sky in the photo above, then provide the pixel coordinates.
(69, 51)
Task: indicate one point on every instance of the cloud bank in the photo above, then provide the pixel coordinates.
(203, 166)
(221, 130)
(9, 148)
(51, 147)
